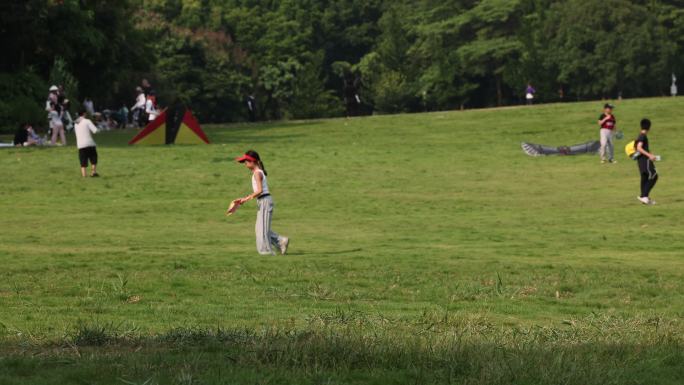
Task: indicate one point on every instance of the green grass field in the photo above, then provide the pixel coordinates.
(425, 248)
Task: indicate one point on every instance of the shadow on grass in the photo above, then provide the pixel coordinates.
(355, 347)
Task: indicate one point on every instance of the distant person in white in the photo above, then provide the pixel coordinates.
(56, 124)
(89, 106)
(52, 98)
(529, 94)
(151, 107)
(87, 150)
(138, 108)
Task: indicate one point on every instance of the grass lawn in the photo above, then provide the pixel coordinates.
(426, 248)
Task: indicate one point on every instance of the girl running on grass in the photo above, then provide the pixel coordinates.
(265, 237)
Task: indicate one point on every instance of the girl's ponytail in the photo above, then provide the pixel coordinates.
(261, 166)
(256, 156)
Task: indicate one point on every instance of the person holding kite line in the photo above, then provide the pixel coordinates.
(265, 237)
(607, 123)
(87, 150)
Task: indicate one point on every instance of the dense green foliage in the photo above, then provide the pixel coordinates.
(425, 248)
(297, 56)
(94, 42)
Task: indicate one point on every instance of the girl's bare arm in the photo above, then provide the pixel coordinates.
(258, 191)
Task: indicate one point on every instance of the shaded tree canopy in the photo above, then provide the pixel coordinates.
(299, 58)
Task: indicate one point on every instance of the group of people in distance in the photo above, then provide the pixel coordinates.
(59, 120)
(267, 241)
(142, 112)
(83, 128)
(644, 157)
(59, 117)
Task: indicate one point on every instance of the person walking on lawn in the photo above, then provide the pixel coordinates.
(645, 160)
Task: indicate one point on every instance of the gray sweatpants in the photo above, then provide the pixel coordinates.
(607, 149)
(265, 237)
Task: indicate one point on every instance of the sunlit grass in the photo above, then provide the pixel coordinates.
(407, 232)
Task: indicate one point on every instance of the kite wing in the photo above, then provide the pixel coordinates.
(533, 149)
(590, 147)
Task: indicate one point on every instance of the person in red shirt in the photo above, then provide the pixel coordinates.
(607, 123)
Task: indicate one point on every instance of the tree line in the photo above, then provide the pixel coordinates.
(321, 58)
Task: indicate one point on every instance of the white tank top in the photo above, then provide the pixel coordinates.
(264, 182)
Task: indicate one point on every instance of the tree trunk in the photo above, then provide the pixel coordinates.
(498, 91)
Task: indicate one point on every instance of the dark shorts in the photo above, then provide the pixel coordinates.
(87, 154)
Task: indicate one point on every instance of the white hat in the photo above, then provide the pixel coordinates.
(54, 88)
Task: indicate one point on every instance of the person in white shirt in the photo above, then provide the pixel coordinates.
(87, 150)
(138, 108)
(56, 124)
(151, 107)
(52, 98)
(89, 106)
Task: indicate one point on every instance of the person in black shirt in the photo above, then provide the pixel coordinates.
(649, 175)
(20, 136)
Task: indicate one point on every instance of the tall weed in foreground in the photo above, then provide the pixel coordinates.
(433, 348)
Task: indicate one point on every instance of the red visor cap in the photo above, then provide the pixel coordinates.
(245, 158)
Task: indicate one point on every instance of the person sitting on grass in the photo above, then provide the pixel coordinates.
(119, 118)
(26, 136)
(649, 175)
(87, 150)
(101, 121)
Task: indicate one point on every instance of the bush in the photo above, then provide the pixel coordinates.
(23, 102)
